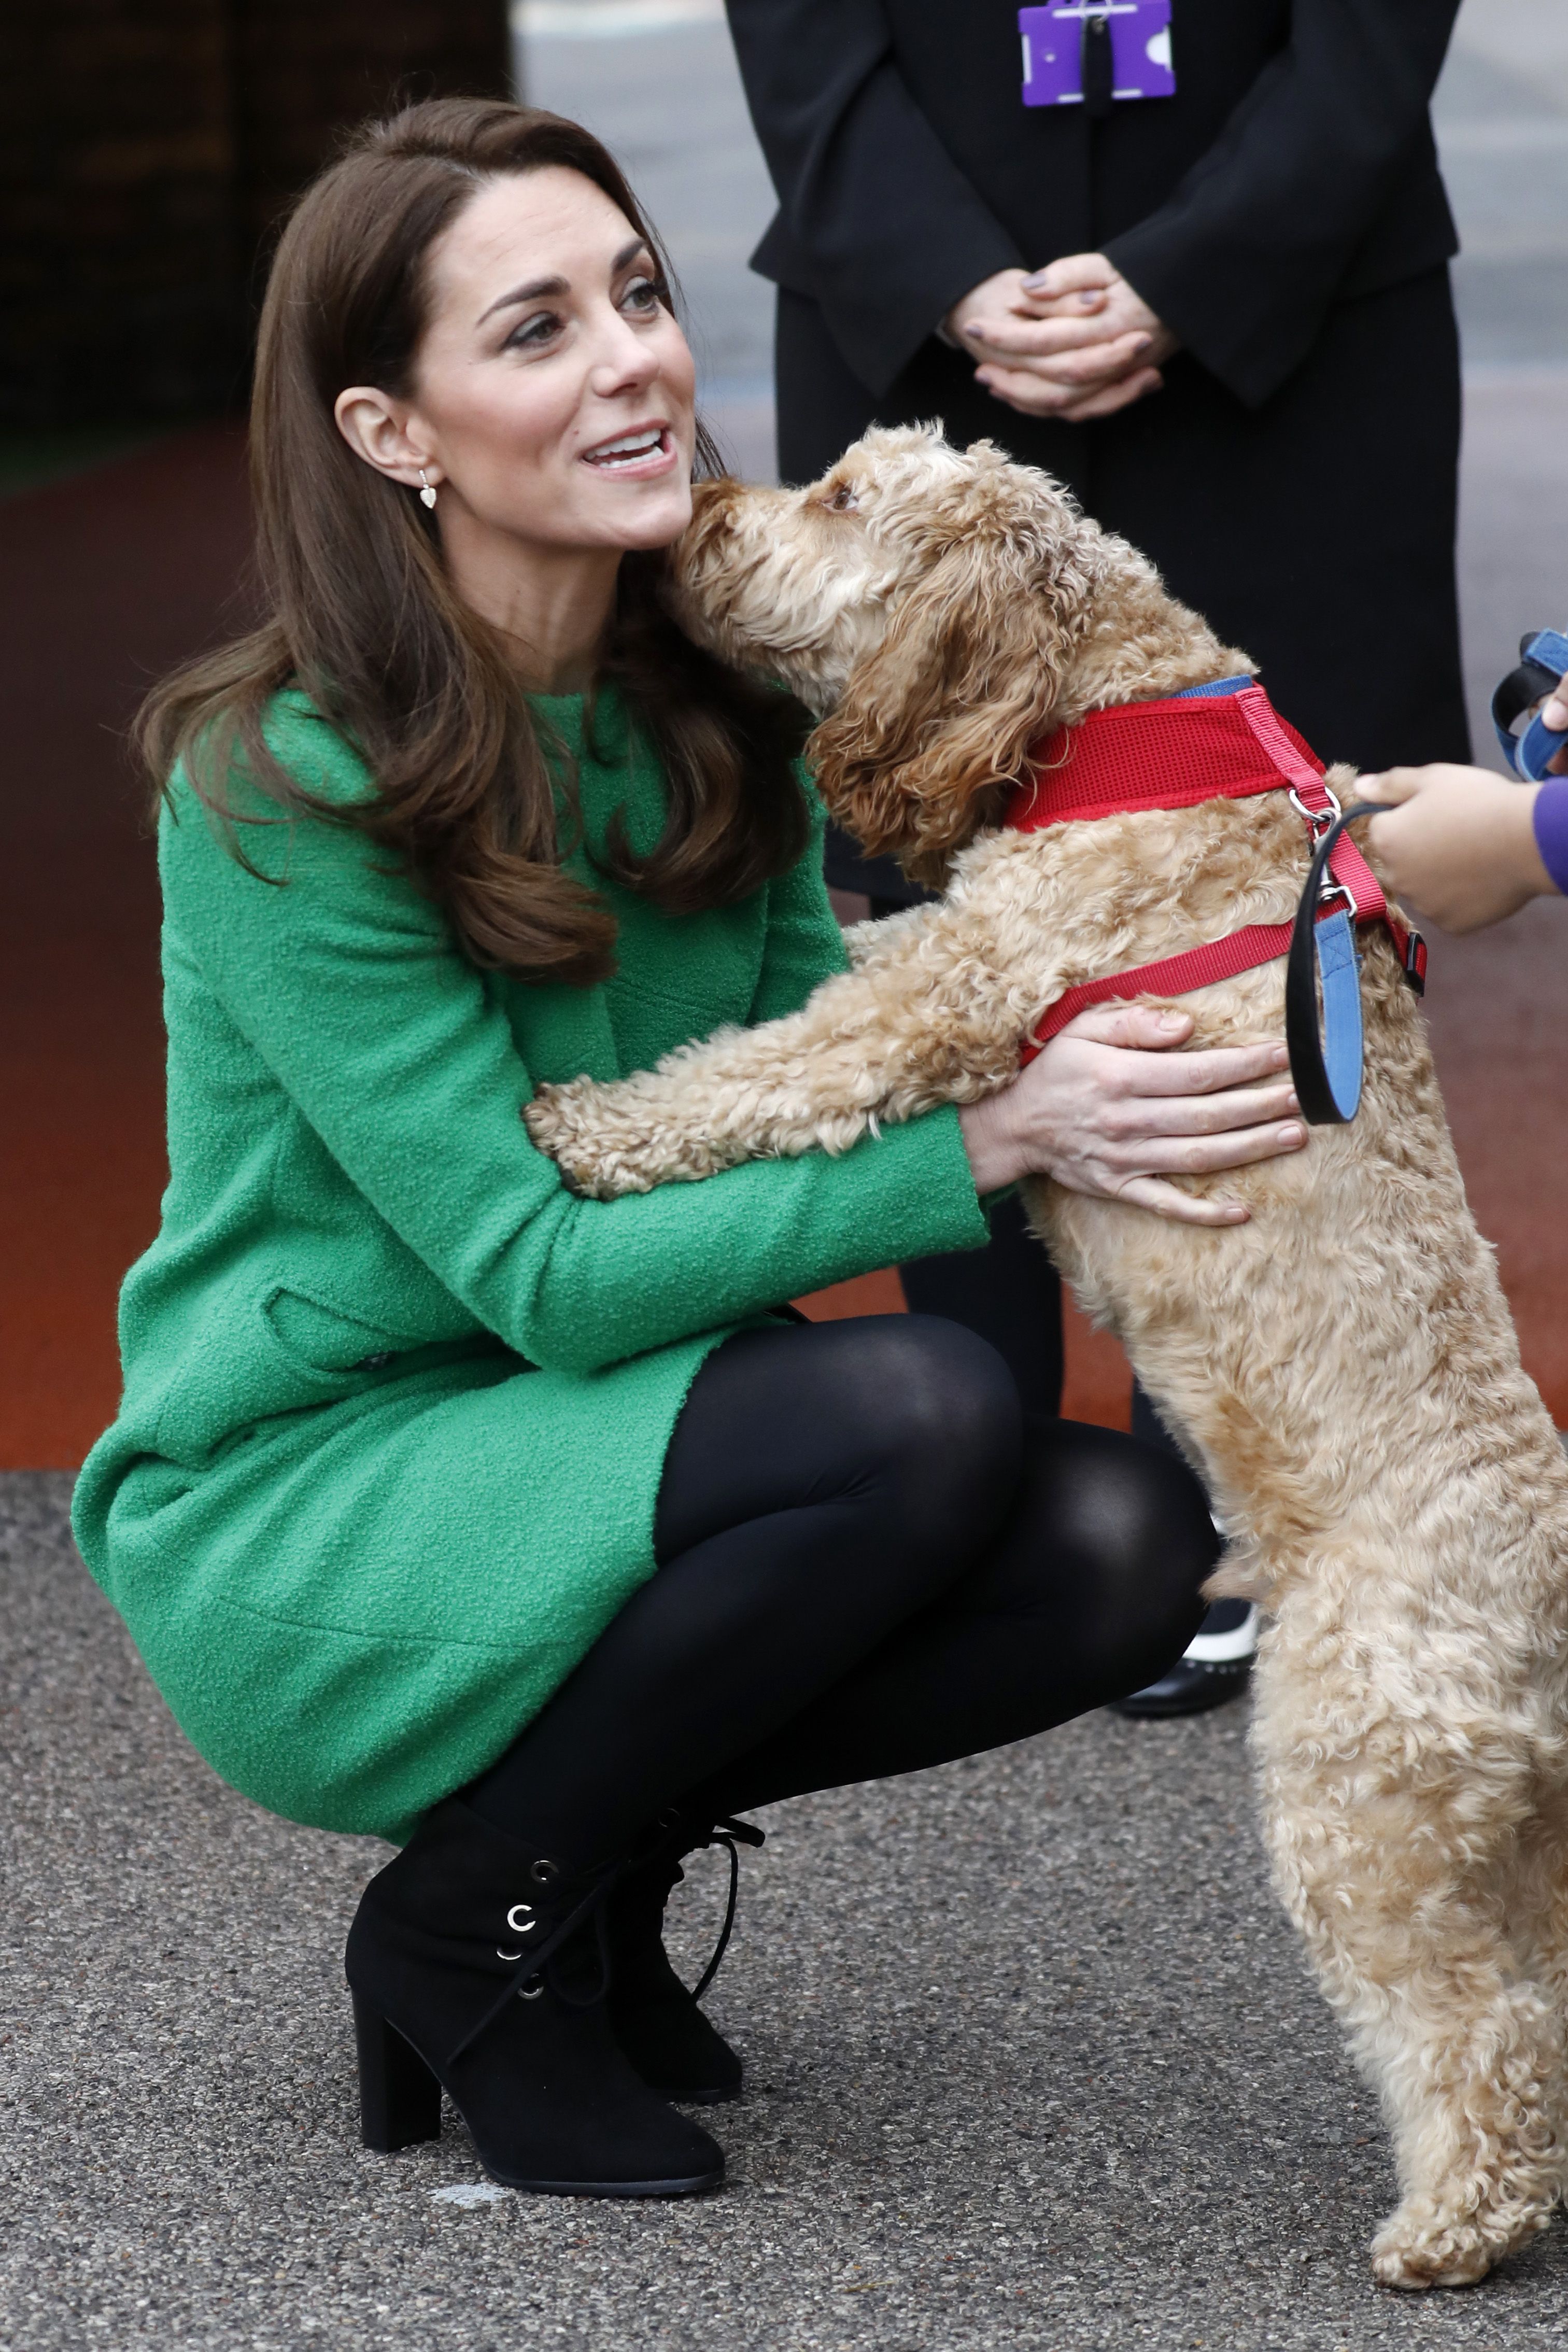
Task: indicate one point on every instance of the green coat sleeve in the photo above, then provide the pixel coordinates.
(347, 985)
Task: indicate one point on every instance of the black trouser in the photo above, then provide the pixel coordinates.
(868, 1560)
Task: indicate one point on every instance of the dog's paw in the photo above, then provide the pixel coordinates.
(606, 1147)
(547, 1120)
(1421, 2246)
(568, 1129)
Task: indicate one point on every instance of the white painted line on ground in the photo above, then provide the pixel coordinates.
(467, 2193)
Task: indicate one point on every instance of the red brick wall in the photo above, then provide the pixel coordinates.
(147, 147)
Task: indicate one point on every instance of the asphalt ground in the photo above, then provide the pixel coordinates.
(1033, 2061)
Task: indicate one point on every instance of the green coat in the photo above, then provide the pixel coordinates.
(396, 1402)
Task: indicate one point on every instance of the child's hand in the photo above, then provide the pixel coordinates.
(1458, 843)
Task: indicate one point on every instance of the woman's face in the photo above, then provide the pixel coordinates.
(552, 401)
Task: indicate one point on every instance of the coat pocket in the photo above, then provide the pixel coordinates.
(281, 1350)
(326, 1340)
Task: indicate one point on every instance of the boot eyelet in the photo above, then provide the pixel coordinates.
(520, 1919)
(530, 1993)
(501, 1955)
(543, 1871)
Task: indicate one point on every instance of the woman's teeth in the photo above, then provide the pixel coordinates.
(626, 451)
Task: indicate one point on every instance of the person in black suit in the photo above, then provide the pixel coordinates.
(1221, 316)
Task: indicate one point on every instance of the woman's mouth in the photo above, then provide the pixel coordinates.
(646, 450)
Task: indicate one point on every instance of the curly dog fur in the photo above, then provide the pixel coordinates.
(1343, 1368)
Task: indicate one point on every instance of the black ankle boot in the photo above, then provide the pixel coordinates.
(656, 2019)
(478, 1967)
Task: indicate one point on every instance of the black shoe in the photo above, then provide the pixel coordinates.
(656, 2019)
(478, 1968)
(1216, 1667)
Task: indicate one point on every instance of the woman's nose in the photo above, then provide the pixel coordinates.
(625, 359)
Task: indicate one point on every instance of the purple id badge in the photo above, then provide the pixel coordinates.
(1053, 49)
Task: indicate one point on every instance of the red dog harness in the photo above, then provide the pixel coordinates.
(1221, 742)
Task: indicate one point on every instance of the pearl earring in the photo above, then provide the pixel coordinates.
(427, 490)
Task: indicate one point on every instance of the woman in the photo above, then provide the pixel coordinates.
(443, 1504)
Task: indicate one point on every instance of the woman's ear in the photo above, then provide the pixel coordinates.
(934, 725)
(376, 428)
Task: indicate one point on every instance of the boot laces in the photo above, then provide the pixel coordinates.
(532, 1964)
(731, 1835)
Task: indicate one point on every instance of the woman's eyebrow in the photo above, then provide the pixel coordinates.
(529, 293)
(537, 287)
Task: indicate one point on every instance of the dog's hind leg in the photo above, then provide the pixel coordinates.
(1538, 1931)
(1392, 1866)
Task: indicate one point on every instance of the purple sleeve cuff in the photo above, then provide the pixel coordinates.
(1551, 829)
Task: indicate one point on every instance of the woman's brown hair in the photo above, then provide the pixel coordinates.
(362, 615)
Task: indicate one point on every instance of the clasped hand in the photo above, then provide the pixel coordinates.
(1108, 1109)
(1073, 341)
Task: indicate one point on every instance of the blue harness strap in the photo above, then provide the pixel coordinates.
(1218, 685)
(1542, 663)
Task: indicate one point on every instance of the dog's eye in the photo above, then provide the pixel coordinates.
(843, 500)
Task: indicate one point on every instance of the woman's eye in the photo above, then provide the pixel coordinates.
(533, 331)
(645, 294)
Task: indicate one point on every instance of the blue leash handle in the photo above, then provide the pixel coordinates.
(1339, 972)
(1326, 1066)
(1542, 663)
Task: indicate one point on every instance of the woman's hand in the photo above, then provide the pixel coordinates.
(1108, 1109)
(1073, 341)
(1458, 842)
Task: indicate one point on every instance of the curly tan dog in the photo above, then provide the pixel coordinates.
(1343, 1366)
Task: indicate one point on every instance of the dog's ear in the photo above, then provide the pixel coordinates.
(933, 726)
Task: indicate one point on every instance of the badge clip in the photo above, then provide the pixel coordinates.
(1065, 63)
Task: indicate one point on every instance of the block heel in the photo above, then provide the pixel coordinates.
(400, 2099)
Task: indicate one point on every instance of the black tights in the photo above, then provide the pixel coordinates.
(867, 1562)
